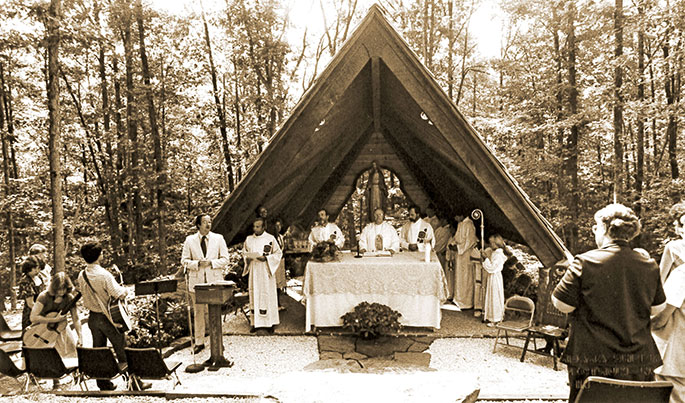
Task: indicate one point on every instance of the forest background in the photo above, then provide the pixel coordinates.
(120, 122)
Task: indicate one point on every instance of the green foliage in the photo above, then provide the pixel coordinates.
(173, 321)
(370, 320)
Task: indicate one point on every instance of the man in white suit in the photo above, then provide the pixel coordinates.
(204, 257)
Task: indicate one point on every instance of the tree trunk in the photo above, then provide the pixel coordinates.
(219, 110)
(571, 154)
(160, 165)
(672, 128)
(618, 100)
(450, 50)
(54, 143)
(8, 194)
(639, 169)
(135, 200)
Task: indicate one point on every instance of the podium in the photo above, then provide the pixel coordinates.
(215, 295)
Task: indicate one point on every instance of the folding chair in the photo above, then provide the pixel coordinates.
(45, 363)
(10, 368)
(597, 389)
(99, 363)
(7, 334)
(147, 363)
(518, 316)
(240, 300)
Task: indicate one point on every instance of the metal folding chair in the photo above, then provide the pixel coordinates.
(11, 369)
(99, 363)
(45, 363)
(518, 316)
(147, 363)
(6, 333)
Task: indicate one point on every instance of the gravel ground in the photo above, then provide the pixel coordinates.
(500, 374)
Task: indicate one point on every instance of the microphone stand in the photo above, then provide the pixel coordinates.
(194, 367)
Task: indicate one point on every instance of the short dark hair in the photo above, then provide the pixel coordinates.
(198, 219)
(260, 206)
(262, 219)
(29, 264)
(416, 208)
(91, 251)
(322, 209)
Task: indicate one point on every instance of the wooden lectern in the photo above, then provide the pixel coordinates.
(215, 295)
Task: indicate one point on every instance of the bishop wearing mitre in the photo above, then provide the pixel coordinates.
(379, 235)
(262, 256)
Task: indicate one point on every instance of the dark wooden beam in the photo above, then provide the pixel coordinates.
(376, 92)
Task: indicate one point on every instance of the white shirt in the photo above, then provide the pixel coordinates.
(410, 234)
(323, 233)
(390, 239)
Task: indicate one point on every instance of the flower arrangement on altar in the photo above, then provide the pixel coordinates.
(325, 251)
(370, 320)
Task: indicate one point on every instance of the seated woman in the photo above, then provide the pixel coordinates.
(30, 285)
(56, 298)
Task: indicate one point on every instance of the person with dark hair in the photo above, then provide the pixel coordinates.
(432, 217)
(669, 324)
(468, 292)
(262, 256)
(609, 294)
(280, 272)
(31, 285)
(204, 257)
(417, 233)
(98, 286)
(41, 253)
(56, 298)
(324, 231)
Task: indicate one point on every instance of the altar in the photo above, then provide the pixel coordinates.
(404, 282)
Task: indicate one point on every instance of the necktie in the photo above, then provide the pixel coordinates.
(203, 244)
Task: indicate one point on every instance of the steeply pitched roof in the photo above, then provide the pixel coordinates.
(375, 101)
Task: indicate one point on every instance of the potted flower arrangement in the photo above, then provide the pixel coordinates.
(325, 251)
(370, 320)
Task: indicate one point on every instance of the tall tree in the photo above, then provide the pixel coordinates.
(52, 25)
(220, 111)
(618, 99)
(160, 164)
(8, 195)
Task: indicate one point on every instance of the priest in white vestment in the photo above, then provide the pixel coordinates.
(459, 252)
(325, 231)
(415, 234)
(379, 235)
(262, 256)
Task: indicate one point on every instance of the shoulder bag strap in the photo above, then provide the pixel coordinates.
(105, 310)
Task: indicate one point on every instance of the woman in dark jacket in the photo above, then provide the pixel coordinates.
(609, 293)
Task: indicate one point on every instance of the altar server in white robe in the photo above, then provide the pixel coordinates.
(379, 235)
(415, 234)
(262, 257)
(494, 290)
(204, 257)
(459, 253)
(325, 231)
